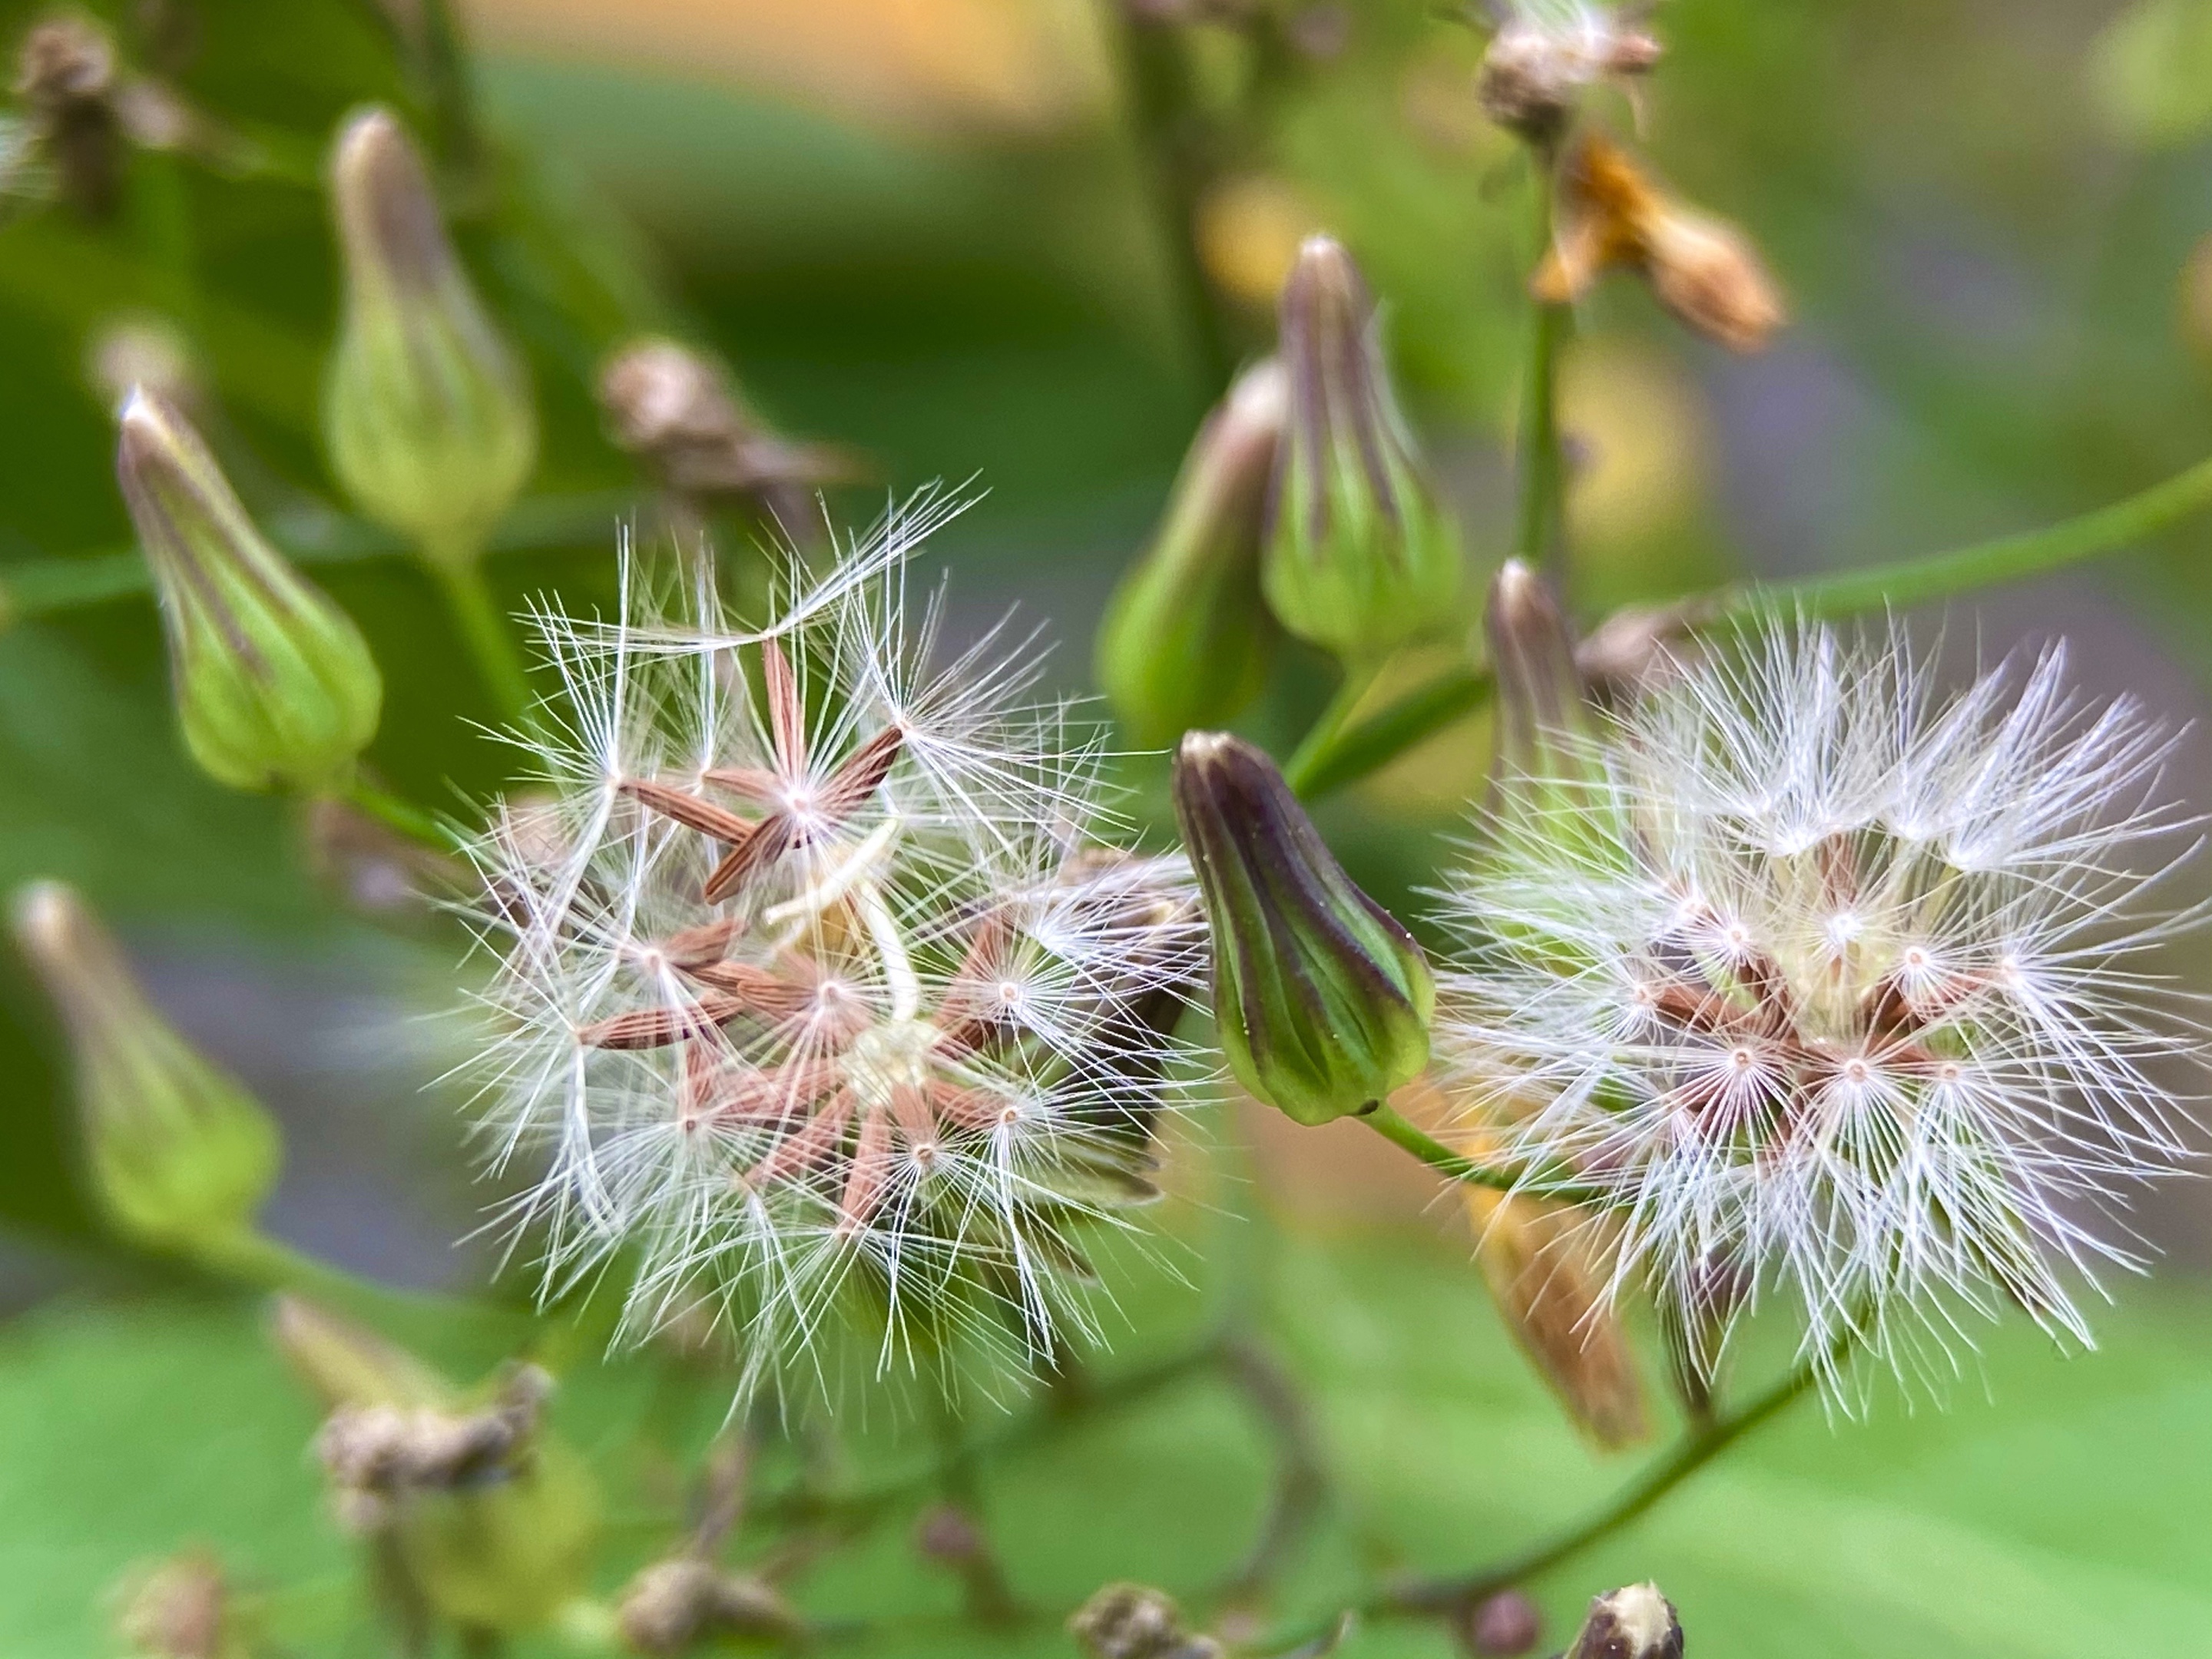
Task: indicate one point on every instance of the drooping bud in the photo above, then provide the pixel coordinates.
(1135, 1621)
(1500, 1626)
(491, 1519)
(273, 685)
(1360, 554)
(181, 1155)
(1186, 639)
(426, 412)
(1321, 999)
(1703, 269)
(1634, 1623)
(1542, 60)
(179, 1608)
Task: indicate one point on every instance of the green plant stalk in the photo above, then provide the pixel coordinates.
(401, 816)
(1387, 1122)
(1358, 679)
(1540, 533)
(255, 1259)
(1382, 738)
(483, 629)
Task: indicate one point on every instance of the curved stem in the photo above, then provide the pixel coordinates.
(400, 816)
(1358, 679)
(269, 1264)
(1388, 1122)
(1382, 738)
(484, 630)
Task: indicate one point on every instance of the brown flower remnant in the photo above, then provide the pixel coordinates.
(1703, 269)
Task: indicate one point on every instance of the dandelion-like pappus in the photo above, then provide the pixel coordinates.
(1806, 978)
(816, 983)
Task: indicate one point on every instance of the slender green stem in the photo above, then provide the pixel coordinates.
(402, 816)
(1539, 531)
(485, 631)
(1164, 128)
(253, 1258)
(1386, 1121)
(1320, 737)
(1382, 736)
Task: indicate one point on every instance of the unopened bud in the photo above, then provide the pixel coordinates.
(1539, 63)
(1703, 269)
(1540, 707)
(181, 1155)
(132, 352)
(179, 1608)
(1135, 1621)
(273, 685)
(1185, 642)
(492, 1520)
(1634, 1623)
(426, 412)
(1321, 999)
(1360, 555)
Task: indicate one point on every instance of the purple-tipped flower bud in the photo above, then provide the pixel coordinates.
(1320, 997)
(1543, 723)
(426, 412)
(1186, 639)
(273, 685)
(180, 1155)
(1634, 1623)
(1360, 554)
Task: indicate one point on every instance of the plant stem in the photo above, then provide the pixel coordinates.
(403, 816)
(1540, 533)
(1163, 128)
(1321, 735)
(1387, 1122)
(254, 1258)
(484, 630)
(1382, 738)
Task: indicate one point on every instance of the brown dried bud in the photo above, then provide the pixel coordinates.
(1634, 1623)
(676, 410)
(1703, 269)
(1501, 1626)
(1135, 1621)
(672, 1606)
(65, 73)
(1638, 645)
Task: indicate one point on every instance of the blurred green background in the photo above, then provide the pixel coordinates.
(924, 229)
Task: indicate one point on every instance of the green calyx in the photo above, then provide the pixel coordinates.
(1360, 555)
(426, 411)
(273, 685)
(1321, 999)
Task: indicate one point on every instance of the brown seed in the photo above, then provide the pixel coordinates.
(691, 811)
(656, 1027)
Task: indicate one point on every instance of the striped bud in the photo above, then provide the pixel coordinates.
(1360, 555)
(426, 412)
(1186, 640)
(1321, 999)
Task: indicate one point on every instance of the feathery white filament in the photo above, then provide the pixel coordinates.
(1823, 984)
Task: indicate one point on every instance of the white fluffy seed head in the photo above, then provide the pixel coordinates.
(1817, 982)
(816, 997)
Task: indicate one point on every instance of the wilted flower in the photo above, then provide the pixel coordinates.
(1634, 1623)
(1820, 973)
(1360, 555)
(1546, 54)
(273, 685)
(1135, 1621)
(181, 1155)
(1701, 269)
(1185, 641)
(83, 110)
(426, 411)
(179, 1608)
(672, 1606)
(814, 988)
(1321, 999)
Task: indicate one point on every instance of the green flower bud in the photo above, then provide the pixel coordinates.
(181, 1157)
(1186, 639)
(426, 412)
(1321, 999)
(1360, 554)
(491, 1520)
(274, 683)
